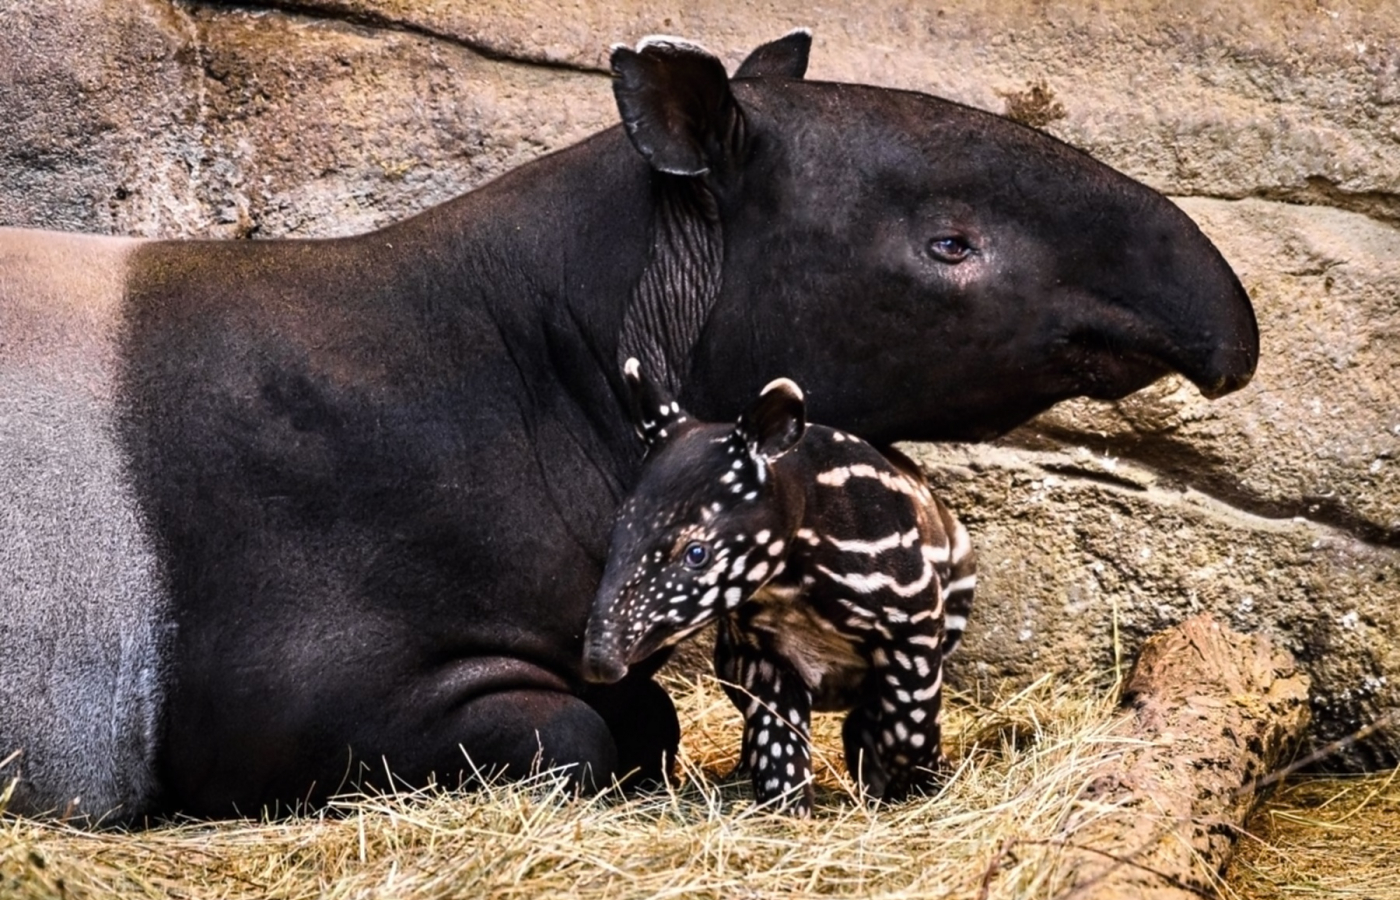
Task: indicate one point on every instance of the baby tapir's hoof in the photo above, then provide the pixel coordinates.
(884, 763)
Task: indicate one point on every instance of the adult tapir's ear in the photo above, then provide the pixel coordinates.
(675, 102)
(784, 58)
(776, 421)
(653, 412)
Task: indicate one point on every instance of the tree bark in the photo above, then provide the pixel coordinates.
(1207, 713)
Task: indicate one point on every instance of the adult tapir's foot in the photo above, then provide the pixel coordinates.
(516, 733)
(471, 720)
(644, 727)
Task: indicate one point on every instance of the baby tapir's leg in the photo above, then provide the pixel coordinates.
(959, 581)
(893, 742)
(777, 708)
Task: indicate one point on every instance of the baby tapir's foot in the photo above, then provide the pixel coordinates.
(886, 763)
(777, 747)
(777, 708)
(778, 756)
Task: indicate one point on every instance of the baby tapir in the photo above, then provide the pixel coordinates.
(841, 581)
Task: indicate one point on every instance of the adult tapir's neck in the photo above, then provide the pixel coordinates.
(563, 236)
(552, 252)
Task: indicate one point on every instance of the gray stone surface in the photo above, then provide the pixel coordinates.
(1082, 556)
(1277, 125)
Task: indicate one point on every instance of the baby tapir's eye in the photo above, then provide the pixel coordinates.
(696, 555)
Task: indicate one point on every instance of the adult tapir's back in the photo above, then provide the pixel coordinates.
(352, 497)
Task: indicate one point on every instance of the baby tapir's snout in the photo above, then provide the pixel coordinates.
(605, 649)
(602, 663)
(625, 625)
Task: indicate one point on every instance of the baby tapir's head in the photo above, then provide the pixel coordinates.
(707, 525)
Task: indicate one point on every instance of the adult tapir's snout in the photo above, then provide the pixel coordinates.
(1130, 288)
(1225, 358)
(1230, 349)
(1179, 285)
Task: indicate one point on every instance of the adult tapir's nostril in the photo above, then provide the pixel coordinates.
(1227, 384)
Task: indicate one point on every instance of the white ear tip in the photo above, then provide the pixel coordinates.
(632, 368)
(803, 30)
(785, 385)
(670, 40)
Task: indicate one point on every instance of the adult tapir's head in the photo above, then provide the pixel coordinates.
(923, 269)
(708, 524)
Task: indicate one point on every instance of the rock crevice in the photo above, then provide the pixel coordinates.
(364, 15)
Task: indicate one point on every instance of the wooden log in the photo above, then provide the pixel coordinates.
(1207, 713)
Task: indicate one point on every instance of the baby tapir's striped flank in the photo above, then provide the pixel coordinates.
(841, 583)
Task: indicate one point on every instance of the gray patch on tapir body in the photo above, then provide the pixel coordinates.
(83, 633)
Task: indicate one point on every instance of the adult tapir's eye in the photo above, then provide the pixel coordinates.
(949, 248)
(696, 555)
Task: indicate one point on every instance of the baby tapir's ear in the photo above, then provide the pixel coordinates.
(653, 412)
(776, 421)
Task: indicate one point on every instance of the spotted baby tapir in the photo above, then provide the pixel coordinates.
(841, 583)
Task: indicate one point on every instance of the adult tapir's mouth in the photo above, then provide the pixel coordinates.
(1113, 372)
(1122, 350)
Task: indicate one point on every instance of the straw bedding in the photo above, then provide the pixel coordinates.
(996, 830)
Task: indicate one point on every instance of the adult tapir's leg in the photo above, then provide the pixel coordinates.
(83, 612)
(488, 718)
(291, 740)
(643, 723)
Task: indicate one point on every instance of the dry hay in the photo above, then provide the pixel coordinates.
(1324, 839)
(996, 830)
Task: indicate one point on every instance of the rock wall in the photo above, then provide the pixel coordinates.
(1277, 125)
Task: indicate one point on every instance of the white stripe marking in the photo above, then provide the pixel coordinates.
(874, 548)
(879, 581)
(965, 583)
(932, 690)
(839, 476)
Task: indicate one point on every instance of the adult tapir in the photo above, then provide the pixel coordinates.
(281, 516)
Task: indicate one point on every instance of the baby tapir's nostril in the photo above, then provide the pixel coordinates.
(602, 660)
